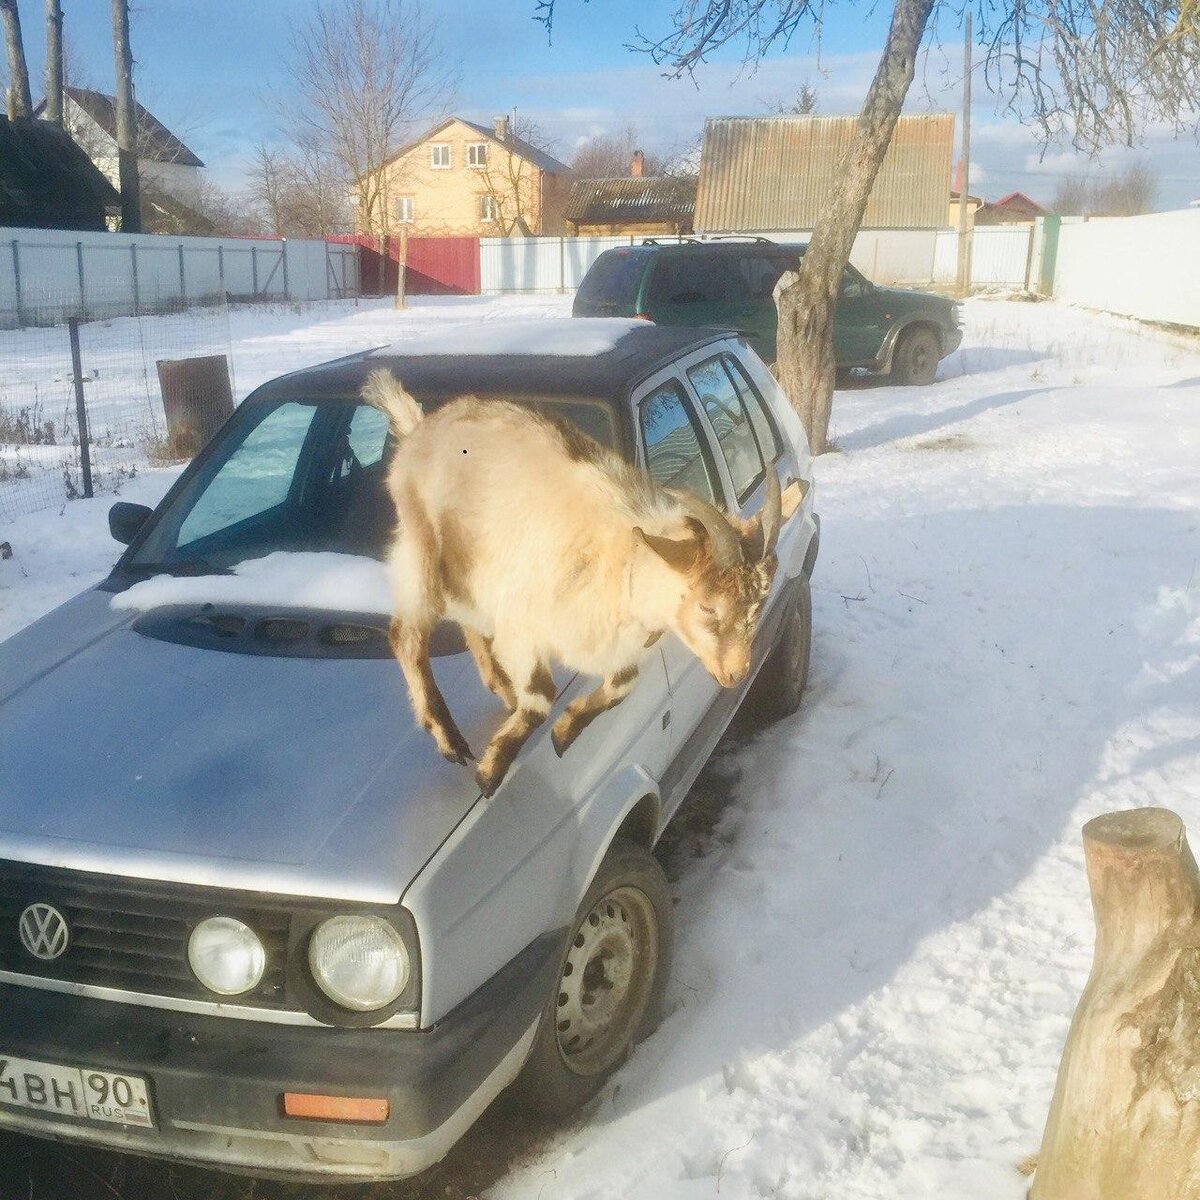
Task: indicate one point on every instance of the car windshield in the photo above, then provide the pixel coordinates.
(300, 475)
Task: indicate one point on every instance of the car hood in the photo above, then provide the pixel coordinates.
(907, 298)
(127, 754)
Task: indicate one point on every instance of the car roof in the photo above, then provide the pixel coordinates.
(422, 364)
(719, 246)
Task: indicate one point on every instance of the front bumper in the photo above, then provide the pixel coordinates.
(951, 340)
(216, 1085)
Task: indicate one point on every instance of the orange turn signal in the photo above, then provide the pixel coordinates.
(335, 1108)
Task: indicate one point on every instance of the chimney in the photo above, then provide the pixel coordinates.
(637, 166)
(500, 128)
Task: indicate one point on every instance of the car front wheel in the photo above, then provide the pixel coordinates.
(609, 987)
(917, 356)
(779, 686)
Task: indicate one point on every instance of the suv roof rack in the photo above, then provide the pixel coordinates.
(736, 237)
(675, 241)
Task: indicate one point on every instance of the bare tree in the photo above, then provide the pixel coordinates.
(609, 156)
(296, 192)
(802, 104)
(1087, 73)
(20, 102)
(54, 62)
(361, 73)
(127, 157)
(1071, 195)
(509, 178)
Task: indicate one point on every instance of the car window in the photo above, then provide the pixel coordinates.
(675, 454)
(612, 280)
(729, 418)
(367, 435)
(255, 478)
(696, 279)
(760, 416)
(761, 274)
(853, 284)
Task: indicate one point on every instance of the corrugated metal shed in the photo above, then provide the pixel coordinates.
(775, 173)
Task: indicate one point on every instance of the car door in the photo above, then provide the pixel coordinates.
(859, 322)
(760, 320)
(678, 453)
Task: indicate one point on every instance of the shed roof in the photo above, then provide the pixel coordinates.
(155, 141)
(47, 181)
(632, 199)
(775, 173)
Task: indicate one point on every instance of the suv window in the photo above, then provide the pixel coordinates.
(761, 274)
(675, 453)
(729, 418)
(696, 278)
(760, 416)
(853, 284)
(612, 280)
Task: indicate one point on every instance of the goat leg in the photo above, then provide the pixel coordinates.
(410, 645)
(534, 699)
(490, 671)
(579, 714)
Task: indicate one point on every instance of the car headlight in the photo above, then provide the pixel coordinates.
(226, 956)
(360, 963)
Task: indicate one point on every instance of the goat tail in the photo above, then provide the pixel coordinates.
(385, 392)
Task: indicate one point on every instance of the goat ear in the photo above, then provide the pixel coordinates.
(681, 554)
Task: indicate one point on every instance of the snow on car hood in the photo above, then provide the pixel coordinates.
(128, 754)
(325, 581)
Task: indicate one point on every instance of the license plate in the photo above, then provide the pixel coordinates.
(73, 1092)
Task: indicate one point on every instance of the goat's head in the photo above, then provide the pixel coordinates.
(724, 567)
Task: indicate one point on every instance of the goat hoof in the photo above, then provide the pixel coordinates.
(458, 752)
(488, 782)
(560, 743)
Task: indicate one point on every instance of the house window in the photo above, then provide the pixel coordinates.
(488, 209)
(477, 155)
(404, 209)
(439, 155)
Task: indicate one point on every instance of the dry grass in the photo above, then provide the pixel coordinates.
(948, 441)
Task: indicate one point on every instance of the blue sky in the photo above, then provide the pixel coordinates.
(204, 65)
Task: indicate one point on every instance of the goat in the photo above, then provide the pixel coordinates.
(545, 546)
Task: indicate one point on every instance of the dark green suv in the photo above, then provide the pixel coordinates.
(729, 283)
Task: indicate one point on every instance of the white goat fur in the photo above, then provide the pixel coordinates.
(530, 535)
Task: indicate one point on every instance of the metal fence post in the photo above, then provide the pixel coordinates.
(82, 290)
(85, 449)
(254, 270)
(182, 279)
(221, 270)
(16, 257)
(287, 291)
(562, 264)
(137, 299)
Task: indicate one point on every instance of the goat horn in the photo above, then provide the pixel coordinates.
(771, 513)
(726, 549)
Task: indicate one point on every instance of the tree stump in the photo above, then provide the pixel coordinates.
(197, 400)
(1125, 1120)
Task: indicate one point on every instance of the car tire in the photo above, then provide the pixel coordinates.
(779, 687)
(620, 945)
(916, 358)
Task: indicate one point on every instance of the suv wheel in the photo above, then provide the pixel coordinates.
(916, 358)
(609, 987)
(779, 687)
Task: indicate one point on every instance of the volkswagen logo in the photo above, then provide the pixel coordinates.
(44, 932)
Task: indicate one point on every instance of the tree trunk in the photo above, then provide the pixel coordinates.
(20, 102)
(1125, 1120)
(127, 164)
(805, 345)
(54, 62)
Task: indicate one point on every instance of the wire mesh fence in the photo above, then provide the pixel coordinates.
(85, 418)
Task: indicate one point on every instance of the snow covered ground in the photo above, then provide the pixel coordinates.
(880, 951)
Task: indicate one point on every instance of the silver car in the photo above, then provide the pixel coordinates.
(249, 917)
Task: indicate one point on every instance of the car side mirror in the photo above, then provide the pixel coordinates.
(125, 520)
